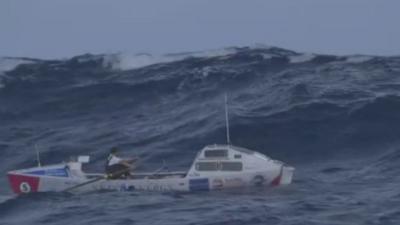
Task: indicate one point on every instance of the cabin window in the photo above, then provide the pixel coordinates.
(231, 166)
(207, 166)
(216, 153)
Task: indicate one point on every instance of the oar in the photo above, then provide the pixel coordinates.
(96, 179)
(106, 176)
(158, 170)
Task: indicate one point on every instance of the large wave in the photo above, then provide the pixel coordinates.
(293, 106)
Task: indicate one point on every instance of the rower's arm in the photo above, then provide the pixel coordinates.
(128, 162)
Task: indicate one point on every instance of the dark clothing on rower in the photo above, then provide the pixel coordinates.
(116, 170)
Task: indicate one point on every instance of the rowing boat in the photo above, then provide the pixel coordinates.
(215, 167)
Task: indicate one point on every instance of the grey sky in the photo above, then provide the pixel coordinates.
(56, 28)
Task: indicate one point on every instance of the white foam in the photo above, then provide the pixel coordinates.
(126, 61)
(358, 58)
(301, 58)
(7, 64)
(267, 56)
(4, 198)
(210, 53)
(206, 71)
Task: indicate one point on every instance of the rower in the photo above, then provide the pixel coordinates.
(117, 167)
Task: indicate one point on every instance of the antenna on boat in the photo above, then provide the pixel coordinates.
(228, 139)
(38, 156)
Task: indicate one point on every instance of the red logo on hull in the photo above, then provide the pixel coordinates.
(23, 184)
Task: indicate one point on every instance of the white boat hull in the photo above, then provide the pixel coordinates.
(238, 168)
(23, 183)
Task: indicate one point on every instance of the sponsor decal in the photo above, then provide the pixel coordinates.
(23, 184)
(24, 187)
(258, 180)
(217, 183)
(130, 187)
(125, 187)
(200, 184)
(154, 187)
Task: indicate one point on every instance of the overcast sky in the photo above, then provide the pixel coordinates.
(58, 29)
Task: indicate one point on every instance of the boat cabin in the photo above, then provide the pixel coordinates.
(227, 159)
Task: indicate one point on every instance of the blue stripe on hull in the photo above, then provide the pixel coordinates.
(199, 184)
(61, 172)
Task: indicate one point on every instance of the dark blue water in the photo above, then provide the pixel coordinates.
(335, 118)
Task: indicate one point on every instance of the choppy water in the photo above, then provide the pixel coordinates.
(335, 118)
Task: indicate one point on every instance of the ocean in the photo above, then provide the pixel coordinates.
(336, 119)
